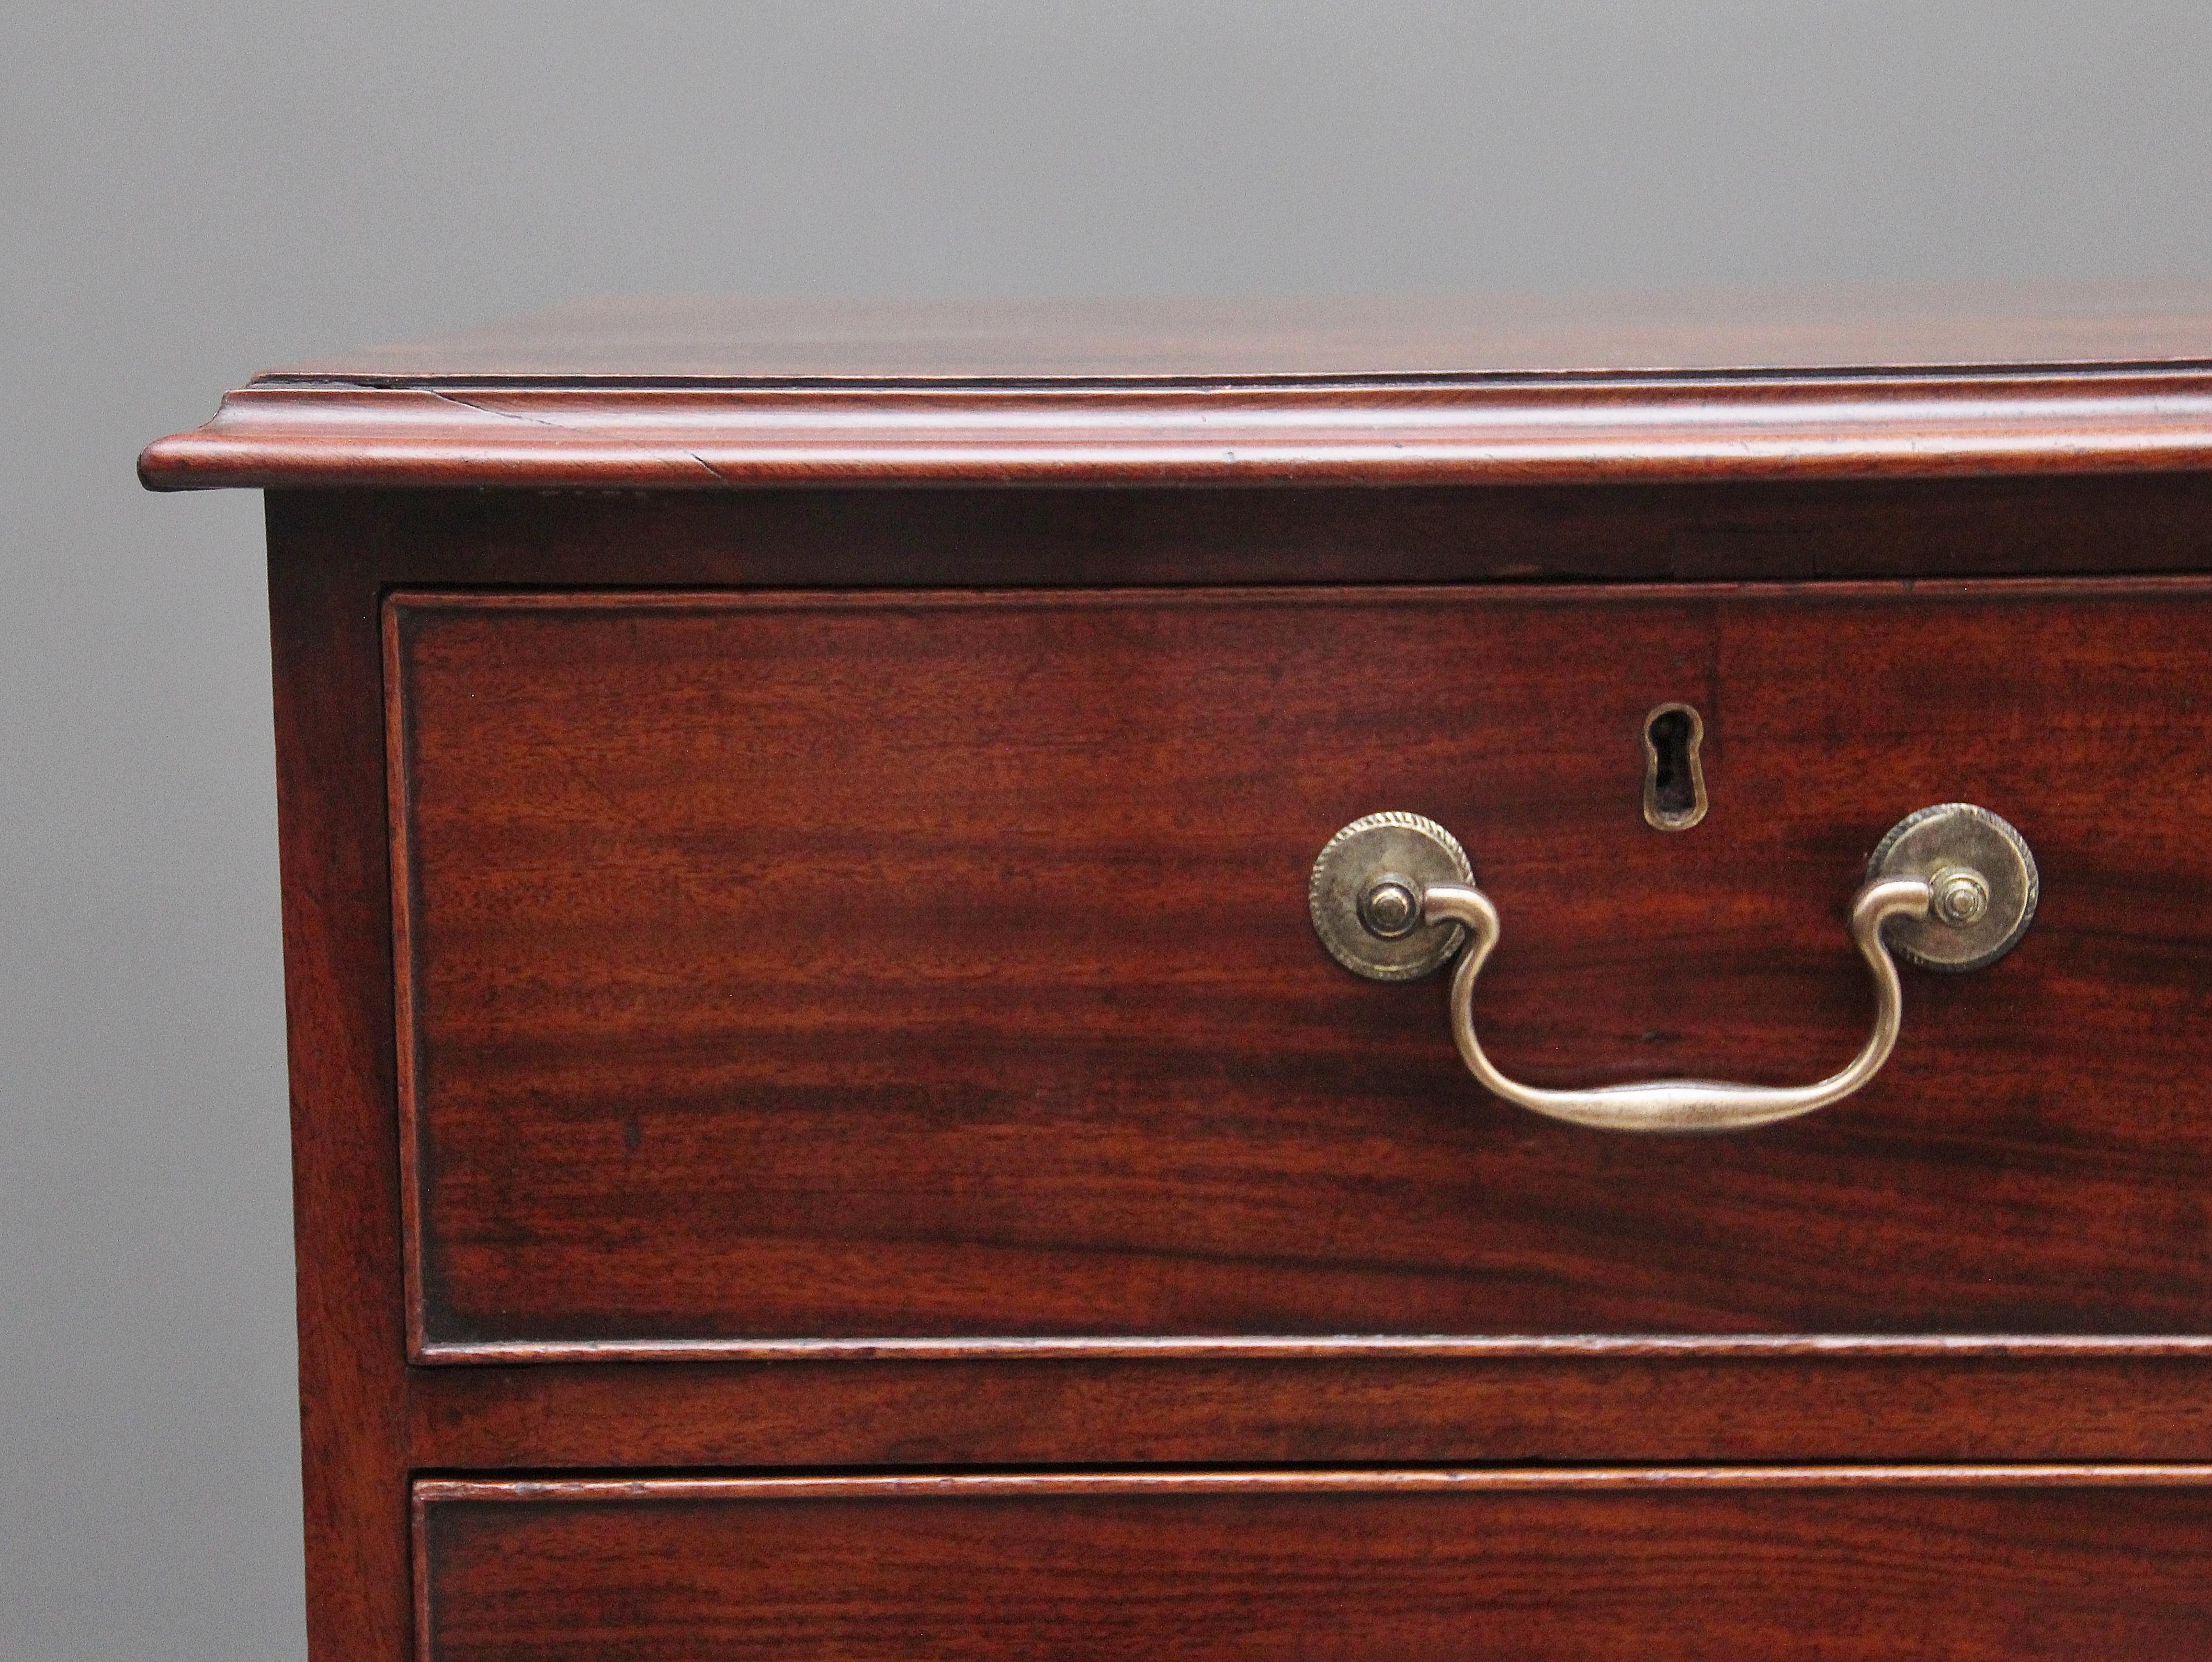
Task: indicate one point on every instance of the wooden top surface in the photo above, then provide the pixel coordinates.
(692, 340)
(714, 393)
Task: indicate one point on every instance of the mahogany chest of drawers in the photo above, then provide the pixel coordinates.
(1043, 982)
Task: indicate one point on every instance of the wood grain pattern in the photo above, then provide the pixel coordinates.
(971, 995)
(707, 395)
(1854, 1563)
(345, 1165)
(738, 337)
(1580, 433)
(1180, 1410)
(370, 1421)
(1074, 537)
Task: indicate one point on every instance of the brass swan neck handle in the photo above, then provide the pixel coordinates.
(1958, 880)
(1682, 1104)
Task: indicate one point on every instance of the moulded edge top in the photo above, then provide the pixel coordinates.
(716, 394)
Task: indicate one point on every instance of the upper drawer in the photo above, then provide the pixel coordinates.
(777, 970)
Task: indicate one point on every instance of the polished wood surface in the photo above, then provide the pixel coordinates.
(371, 1421)
(861, 897)
(345, 1167)
(968, 993)
(1074, 537)
(2079, 1401)
(708, 395)
(1594, 432)
(750, 338)
(1854, 1563)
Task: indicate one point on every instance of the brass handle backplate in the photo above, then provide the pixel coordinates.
(1952, 886)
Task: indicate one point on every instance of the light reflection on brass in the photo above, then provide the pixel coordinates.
(1957, 881)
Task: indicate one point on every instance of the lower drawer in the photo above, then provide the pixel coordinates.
(1835, 1562)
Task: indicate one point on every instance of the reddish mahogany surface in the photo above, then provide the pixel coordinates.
(1849, 1564)
(705, 395)
(733, 337)
(354, 1397)
(937, 966)
(370, 1422)
(2072, 1402)
(1076, 537)
(285, 435)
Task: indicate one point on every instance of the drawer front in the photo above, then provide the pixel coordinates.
(1838, 1564)
(937, 969)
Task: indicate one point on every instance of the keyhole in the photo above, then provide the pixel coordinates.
(1674, 778)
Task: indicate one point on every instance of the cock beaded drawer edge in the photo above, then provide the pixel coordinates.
(1437, 978)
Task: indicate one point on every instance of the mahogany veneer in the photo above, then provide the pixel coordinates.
(1843, 1563)
(1002, 899)
(795, 824)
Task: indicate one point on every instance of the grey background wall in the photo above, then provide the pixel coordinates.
(194, 190)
